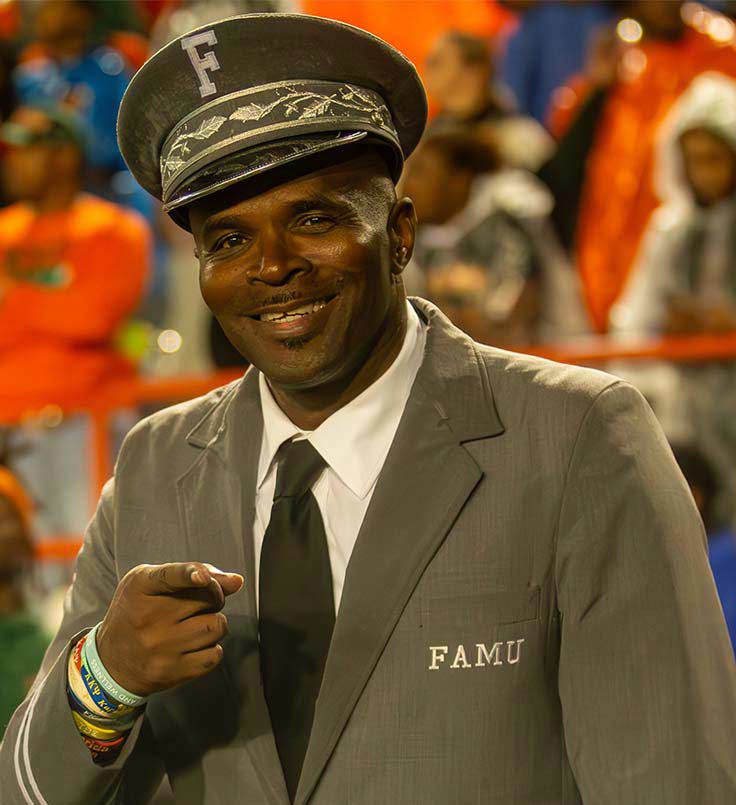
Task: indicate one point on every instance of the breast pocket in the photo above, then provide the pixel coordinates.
(440, 609)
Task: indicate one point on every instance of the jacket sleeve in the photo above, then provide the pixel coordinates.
(647, 679)
(43, 761)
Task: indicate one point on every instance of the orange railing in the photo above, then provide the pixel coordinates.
(593, 350)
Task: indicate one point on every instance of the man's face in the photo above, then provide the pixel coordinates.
(300, 276)
(710, 166)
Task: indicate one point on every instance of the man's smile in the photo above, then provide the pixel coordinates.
(292, 308)
(297, 317)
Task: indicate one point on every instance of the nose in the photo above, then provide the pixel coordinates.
(277, 262)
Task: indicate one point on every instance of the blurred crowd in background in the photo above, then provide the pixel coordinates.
(577, 179)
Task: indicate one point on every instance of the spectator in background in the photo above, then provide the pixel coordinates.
(66, 64)
(482, 242)
(706, 487)
(601, 176)
(684, 279)
(22, 640)
(547, 48)
(72, 268)
(459, 75)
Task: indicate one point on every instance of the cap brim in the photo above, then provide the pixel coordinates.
(242, 166)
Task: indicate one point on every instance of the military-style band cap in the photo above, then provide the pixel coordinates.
(251, 93)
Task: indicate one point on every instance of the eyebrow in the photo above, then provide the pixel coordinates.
(336, 203)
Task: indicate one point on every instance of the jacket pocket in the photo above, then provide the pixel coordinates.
(487, 608)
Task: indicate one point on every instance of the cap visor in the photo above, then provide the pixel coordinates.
(253, 162)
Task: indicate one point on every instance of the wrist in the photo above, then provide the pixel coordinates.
(110, 686)
(87, 696)
(103, 723)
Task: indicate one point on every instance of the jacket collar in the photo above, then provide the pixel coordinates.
(452, 375)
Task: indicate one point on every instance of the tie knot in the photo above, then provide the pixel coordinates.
(299, 466)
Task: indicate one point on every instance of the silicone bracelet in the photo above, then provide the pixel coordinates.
(91, 731)
(95, 691)
(80, 700)
(103, 679)
(101, 698)
(97, 720)
(104, 746)
(104, 752)
(76, 685)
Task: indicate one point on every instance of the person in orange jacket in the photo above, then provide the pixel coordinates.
(607, 121)
(72, 268)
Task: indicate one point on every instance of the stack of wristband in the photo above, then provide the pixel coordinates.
(103, 711)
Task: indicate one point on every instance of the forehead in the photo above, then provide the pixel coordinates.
(346, 184)
(701, 139)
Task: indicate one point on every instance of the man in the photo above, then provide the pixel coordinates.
(469, 554)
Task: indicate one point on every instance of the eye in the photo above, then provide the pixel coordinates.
(231, 241)
(316, 223)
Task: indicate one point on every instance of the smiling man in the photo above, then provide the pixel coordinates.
(304, 277)
(470, 576)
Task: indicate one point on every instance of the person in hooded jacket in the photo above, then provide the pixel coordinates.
(684, 279)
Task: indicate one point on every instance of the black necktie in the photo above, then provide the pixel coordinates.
(296, 606)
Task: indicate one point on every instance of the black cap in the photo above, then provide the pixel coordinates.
(247, 94)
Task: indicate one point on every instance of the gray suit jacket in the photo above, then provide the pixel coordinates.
(528, 615)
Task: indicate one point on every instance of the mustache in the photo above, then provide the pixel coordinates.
(283, 296)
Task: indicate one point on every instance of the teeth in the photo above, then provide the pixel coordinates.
(297, 313)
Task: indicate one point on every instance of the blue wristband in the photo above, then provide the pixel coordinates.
(122, 724)
(94, 689)
(109, 686)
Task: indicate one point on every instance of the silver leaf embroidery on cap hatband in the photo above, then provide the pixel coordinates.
(220, 176)
(284, 104)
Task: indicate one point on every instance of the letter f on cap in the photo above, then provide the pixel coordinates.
(202, 63)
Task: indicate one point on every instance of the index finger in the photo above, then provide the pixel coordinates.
(173, 577)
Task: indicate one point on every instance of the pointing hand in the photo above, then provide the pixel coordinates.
(164, 625)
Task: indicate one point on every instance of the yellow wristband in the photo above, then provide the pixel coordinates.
(77, 686)
(92, 731)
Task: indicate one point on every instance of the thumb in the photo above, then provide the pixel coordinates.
(229, 582)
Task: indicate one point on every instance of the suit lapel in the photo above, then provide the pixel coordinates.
(217, 503)
(424, 484)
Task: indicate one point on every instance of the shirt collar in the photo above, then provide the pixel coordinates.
(355, 440)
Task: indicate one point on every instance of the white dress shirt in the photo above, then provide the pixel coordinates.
(354, 443)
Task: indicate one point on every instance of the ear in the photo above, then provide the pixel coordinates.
(402, 227)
